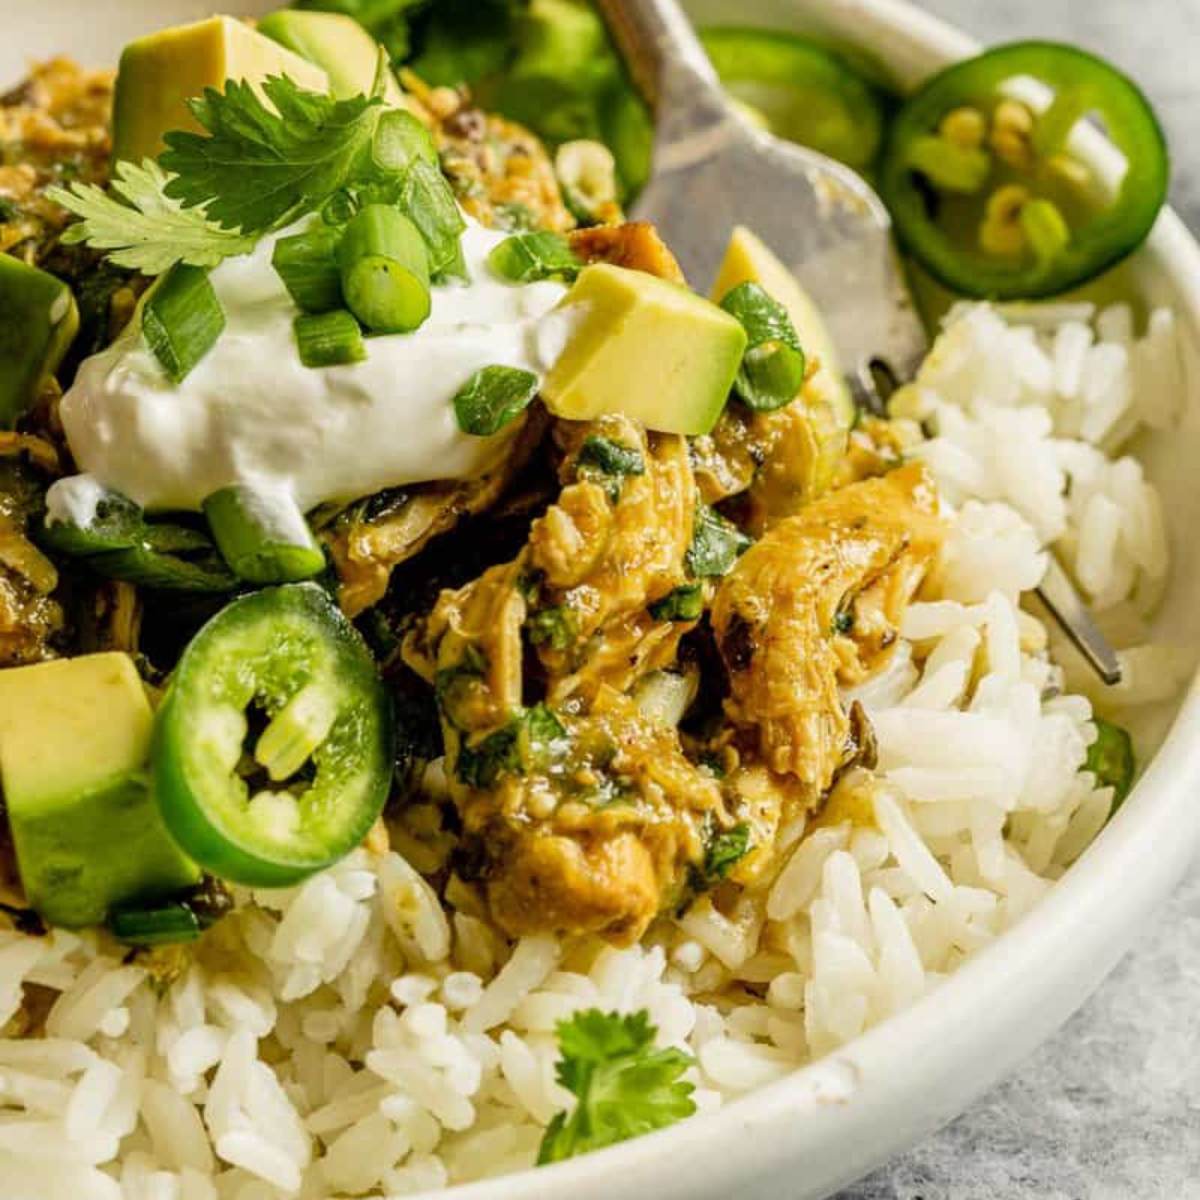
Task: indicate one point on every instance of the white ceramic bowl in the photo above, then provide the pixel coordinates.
(831, 1122)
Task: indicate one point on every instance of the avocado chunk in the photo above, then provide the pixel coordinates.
(749, 260)
(74, 742)
(338, 44)
(160, 72)
(38, 322)
(644, 347)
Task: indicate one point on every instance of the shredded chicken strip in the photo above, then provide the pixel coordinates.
(816, 603)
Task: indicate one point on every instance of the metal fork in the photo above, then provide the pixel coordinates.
(713, 170)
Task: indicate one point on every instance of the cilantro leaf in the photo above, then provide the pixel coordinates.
(716, 544)
(257, 167)
(725, 850)
(685, 603)
(603, 455)
(624, 1086)
(150, 233)
(531, 741)
(553, 627)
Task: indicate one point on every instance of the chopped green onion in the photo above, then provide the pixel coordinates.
(385, 270)
(262, 535)
(400, 139)
(1111, 759)
(430, 204)
(587, 174)
(329, 339)
(182, 319)
(773, 366)
(716, 544)
(493, 397)
(949, 167)
(307, 264)
(685, 603)
(159, 926)
(526, 257)
(607, 457)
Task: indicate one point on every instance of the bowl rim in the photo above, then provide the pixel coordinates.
(826, 1115)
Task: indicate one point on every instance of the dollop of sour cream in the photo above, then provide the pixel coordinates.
(250, 412)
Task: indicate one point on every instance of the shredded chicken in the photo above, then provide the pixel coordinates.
(603, 562)
(500, 171)
(609, 548)
(30, 616)
(635, 245)
(775, 461)
(816, 603)
(366, 547)
(599, 840)
(53, 127)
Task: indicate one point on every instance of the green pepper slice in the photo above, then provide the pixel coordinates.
(270, 809)
(985, 191)
(119, 543)
(805, 92)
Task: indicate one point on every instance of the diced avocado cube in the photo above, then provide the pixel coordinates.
(646, 348)
(749, 260)
(160, 72)
(74, 741)
(338, 44)
(38, 322)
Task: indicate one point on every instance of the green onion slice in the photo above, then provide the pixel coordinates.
(773, 366)
(329, 339)
(307, 264)
(161, 925)
(493, 397)
(428, 200)
(385, 270)
(526, 257)
(262, 534)
(182, 319)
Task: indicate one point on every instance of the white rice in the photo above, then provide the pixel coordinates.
(352, 1037)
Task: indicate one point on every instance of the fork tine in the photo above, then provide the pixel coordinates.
(1066, 606)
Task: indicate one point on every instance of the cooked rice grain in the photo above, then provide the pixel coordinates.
(352, 1037)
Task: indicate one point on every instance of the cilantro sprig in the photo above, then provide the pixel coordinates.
(623, 1085)
(141, 228)
(256, 169)
(267, 156)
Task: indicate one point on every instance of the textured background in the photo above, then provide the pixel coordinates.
(1110, 1108)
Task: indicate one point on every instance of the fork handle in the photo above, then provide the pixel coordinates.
(654, 36)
